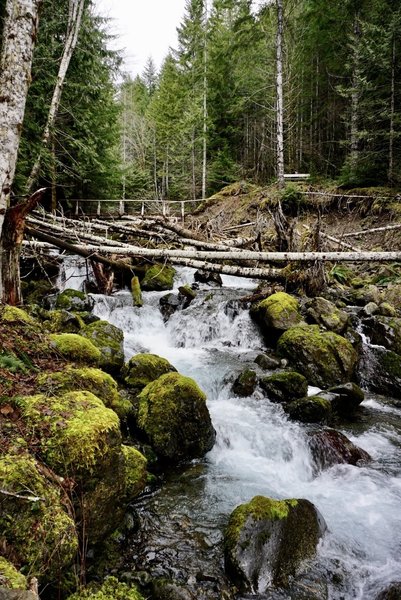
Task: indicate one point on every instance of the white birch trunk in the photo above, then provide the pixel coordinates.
(280, 101)
(19, 35)
(204, 150)
(75, 12)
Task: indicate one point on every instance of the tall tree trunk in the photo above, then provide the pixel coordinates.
(279, 85)
(392, 110)
(75, 11)
(204, 150)
(355, 94)
(19, 35)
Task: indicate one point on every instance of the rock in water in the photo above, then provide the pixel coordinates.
(277, 313)
(158, 278)
(245, 383)
(284, 387)
(330, 447)
(323, 312)
(267, 541)
(174, 416)
(109, 339)
(142, 369)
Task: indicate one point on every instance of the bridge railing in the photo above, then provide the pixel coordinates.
(137, 205)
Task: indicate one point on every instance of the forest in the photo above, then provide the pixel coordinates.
(200, 305)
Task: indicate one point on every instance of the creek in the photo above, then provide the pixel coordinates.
(258, 451)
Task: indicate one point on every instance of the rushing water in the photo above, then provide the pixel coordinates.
(258, 451)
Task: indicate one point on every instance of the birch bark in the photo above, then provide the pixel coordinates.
(19, 34)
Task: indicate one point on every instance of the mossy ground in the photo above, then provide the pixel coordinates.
(10, 577)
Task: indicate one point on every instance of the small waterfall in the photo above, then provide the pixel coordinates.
(258, 451)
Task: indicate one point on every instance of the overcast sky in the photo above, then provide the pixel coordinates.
(144, 28)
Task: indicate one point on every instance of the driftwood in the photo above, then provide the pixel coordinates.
(250, 272)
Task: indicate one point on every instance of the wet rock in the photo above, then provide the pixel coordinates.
(162, 589)
(174, 416)
(387, 310)
(266, 362)
(74, 301)
(370, 309)
(266, 541)
(385, 331)
(392, 592)
(284, 387)
(277, 313)
(325, 313)
(330, 447)
(110, 589)
(109, 339)
(323, 357)
(208, 277)
(142, 369)
(159, 278)
(346, 397)
(169, 304)
(381, 370)
(311, 409)
(187, 293)
(245, 383)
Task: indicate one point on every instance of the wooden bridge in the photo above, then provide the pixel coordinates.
(108, 207)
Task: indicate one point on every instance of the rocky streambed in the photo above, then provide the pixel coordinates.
(281, 476)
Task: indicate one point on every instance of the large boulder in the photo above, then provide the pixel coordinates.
(277, 313)
(80, 439)
(142, 369)
(311, 409)
(35, 524)
(174, 416)
(76, 348)
(73, 301)
(285, 386)
(90, 379)
(325, 313)
(380, 370)
(109, 339)
(330, 447)
(159, 278)
(324, 357)
(267, 541)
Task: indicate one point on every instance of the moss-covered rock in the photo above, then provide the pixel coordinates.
(12, 314)
(35, 291)
(368, 293)
(387, 310)
(136, 473)
(109, 339)
(285, 386)
(93, 380)
(311, 409)
(266, 541)
(277, 313)
(142, 369)
(10, 577)
(63, 321)
(383, 372)
(267, 363)
(76, 348)
(74, 301)
(174, 416)
(325, 313)
(111, 589)
(245, 383)
(324, 357)
(346, 397)
(159, 278)
(35, 526)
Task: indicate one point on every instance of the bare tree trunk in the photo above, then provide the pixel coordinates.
(354, 134)
(280, 102)
(204, 152)
(392, 110)
(75, 11)
(19, 35)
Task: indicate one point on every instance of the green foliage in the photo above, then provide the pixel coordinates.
(11, 363)
(341, 274)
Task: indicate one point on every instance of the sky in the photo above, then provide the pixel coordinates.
(143, 27)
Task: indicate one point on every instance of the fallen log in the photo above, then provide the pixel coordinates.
(80, 250)
(249, 272)
(373, 230)
(335, 240)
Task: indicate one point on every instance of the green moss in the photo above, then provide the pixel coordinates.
(136, 474)
(74, 300)
(109, 340)
(10, 577)
(279, 311)
(141, 369)
(13, 314)
(259, 508)
(136, 292)
(245, 384)
(63, 321)
(76, 348)
(312, 409)
(285, 386)
(76, 431)
(324, 357)
(158, 277)
(36, 527)
(174, 416)
(111, 589)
